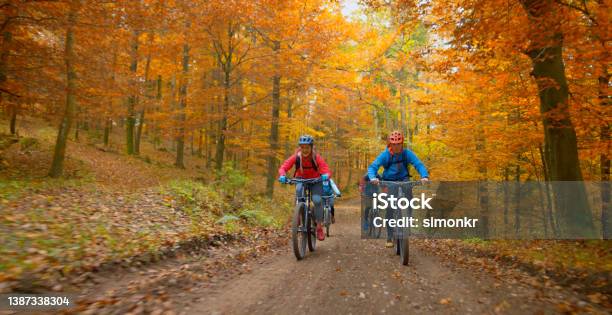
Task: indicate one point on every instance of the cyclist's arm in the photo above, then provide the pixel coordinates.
(418, 165)
(334, 187)
(287, 165)
(323, 167)
(381, 159)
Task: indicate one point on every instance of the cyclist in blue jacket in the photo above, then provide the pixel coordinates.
(395, 160)
(330, 189)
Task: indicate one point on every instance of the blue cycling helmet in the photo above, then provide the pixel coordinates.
(306, 139)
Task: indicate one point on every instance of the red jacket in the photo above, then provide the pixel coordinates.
(306, 169)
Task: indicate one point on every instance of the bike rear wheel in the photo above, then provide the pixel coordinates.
(327, 220)
(398, 247)
(404, 250)
(373, 231)
(402, 246)
(312, 232)
(298, 231)
(404, 242)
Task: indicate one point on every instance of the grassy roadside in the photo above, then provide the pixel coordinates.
(112, 209)
(590, 256)
(585, 265)
(55, 233)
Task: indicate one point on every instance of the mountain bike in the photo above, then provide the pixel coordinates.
(303, 227)
(401, 234)
(327, 212)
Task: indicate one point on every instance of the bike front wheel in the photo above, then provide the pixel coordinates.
(373, 231)
(327, 220)
(398, 246)
(312, 232)
(404, 250)
(402, 246)
(298, 231)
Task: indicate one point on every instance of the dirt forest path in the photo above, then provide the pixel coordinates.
(349, 275)
(345, 275)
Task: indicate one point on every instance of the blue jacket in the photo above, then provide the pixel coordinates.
(396, 170)
(331, 188)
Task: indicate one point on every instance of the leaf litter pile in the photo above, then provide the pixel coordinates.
(168, 287)
(49, 237)
(514, 261)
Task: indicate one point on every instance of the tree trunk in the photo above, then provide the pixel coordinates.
(200, 132)
(545, 53)
(107, 126)
(141, 114)
(76, 131)
(180, 139)
(483, 191)
(274, 146)
(137, 137)
(223, 122)
(13, 123)
(350, 179)
(158, 98)
(248, 153)
(208, 146)
(108, 123)
(410, 128)
(131, 119)
(506, 199)
(289, 115)
(517, 200)
(403, 123)
(604, 163)
(57, 166)
(549, 202)
(7, 37)
(191, 138)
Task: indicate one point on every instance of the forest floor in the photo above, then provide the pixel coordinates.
(110, 210)
(346, 274)
(135, 234)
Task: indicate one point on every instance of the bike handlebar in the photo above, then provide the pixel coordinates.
(293, 181)
(329, 197)
(410, 183)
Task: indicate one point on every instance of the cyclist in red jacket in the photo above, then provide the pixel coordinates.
(308, 164)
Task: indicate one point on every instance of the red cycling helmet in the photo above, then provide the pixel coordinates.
(396, 137)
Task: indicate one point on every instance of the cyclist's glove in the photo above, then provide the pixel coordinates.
(283, 179)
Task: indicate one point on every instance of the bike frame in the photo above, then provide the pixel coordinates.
(306, 195)
(326, 209)
(397, 212)
(401, 234)
(305, 228)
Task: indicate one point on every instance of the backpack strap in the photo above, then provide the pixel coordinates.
(298, 163)
(404, 161)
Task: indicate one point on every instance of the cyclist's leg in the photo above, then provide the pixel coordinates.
(299, 191)
(316, 191)
(389, 212)
(333, 211)
(389, 215)
(366, 204)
